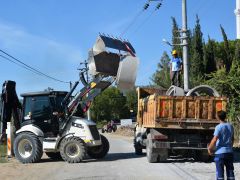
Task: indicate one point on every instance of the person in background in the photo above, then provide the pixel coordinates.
(222, 142)
(175, 69)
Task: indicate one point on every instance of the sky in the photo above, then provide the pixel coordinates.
(54, 36)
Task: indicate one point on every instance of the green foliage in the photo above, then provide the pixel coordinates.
(228, 84)
(196, 60)
(227, 54)
(111, 104)
(162, 76)
(132, 101)
(3, 153)
(175, 36)
(209, 56)
(102, 123)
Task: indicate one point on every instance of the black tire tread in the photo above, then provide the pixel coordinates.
(81, 144)
(105, 148)
(151, 157)
(38, 152)
(137, 147)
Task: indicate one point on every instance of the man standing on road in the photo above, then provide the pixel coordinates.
(175, 68)
(223, 140)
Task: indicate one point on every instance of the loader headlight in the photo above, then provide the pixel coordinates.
(77, 125)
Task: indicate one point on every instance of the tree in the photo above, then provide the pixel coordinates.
(196, 63)
(236, 58)
(162, 75)
(175, 36)
(132, 101)
(227, 55)
(209, 56)
(111, 104)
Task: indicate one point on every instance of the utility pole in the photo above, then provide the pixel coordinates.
(85, 69)
(237, 13)
(185, 45)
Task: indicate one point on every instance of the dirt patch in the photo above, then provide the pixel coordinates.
(125, 131)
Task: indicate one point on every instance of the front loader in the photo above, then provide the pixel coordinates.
(53, 121)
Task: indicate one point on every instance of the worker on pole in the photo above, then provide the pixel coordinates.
(175, 69)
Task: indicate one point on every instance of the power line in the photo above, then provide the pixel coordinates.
(8, 59)
(131, 23)
(144, 21)
(28, 67)
(139, 14)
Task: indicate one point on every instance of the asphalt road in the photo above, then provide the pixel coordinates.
(120, 163)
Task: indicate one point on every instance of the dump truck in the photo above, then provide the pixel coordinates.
(175, 125)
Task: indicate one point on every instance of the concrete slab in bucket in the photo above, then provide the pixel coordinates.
(127, 73)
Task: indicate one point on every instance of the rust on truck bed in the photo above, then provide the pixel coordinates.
(156, 110)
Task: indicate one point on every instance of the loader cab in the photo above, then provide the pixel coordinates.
(40, 108)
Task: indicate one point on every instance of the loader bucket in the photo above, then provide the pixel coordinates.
(114, 57)
(104, 57)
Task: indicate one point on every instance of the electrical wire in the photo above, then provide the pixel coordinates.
(28, 67)
(131, 23)
(8, 59)
(144, 22)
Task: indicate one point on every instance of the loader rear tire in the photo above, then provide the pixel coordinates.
(101, 151)
(72, 149)
(28, 148)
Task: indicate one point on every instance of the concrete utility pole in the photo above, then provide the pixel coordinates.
(185, 45)
(237, 13)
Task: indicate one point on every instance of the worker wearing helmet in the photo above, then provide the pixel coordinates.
(175, 69)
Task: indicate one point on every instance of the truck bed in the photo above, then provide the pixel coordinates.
(177, 112)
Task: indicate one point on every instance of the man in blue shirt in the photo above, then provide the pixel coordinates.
(223, 142)
(175, 68)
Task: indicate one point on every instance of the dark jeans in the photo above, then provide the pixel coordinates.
(221, 160)
(176, 78)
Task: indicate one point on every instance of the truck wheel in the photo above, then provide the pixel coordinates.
(99, 152)
(151, 157)
(54, 155)
(28, 148)
(72, 149)
(137, 147)
(162, 155)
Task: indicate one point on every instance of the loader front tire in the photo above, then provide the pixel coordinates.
(101, 151)
(72, 149)
(28, 148)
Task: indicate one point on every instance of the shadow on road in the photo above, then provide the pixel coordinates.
(109, 157)
(118, 156)
(48, 160)
(132, 155)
